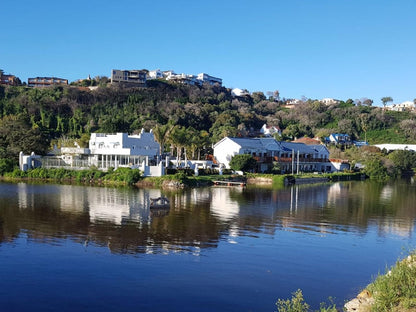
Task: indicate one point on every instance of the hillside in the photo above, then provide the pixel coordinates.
(32, 118)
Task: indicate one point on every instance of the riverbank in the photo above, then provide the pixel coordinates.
(180, 180)
(394, 291)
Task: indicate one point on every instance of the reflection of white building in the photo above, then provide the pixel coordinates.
(222, 206)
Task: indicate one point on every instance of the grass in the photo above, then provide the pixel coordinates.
(298, 304)
(395, 291)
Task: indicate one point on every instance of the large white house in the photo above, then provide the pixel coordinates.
(121, 149)
(292, 157)
(108, 150)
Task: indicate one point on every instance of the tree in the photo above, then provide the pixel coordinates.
(368, 102)
(386, 99)
(161, 133)
(403, 160)
(16, 135)
(243, 162)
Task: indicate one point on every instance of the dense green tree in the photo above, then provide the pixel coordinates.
(403, 160)
(16, 135)
(243, 162)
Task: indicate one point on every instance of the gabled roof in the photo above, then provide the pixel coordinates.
(302, 148)
(269, 144)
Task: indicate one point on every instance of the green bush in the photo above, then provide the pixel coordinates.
(295, 304)
(6, 165)
(126, 175)
(243, 162)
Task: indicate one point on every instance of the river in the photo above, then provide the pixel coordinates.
(81, 248)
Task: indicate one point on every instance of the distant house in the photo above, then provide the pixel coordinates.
(154, 74)
(404, 106)
(292, 102)
(236, 92)
(129, 77)
(183, 78)
(39, 82)
(340, 138)
(291, 157)
(205, 78)
(329, 101)
(10, 80)
(269, 131)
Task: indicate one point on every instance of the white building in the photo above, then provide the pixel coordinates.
(108, 151)
(155, 74)
(405, 106)
(121, 149)
(270, 130)
(394, 147)
(329, 101)
(292, 157)
(239, 92)
(183, 78)
(205, 78)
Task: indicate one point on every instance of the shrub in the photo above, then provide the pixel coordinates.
(6, 165)
(295, 304)
(244, 162)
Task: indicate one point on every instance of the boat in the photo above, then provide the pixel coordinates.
(159, 203)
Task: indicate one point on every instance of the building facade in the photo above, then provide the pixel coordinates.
(133, 77)
(107, 151)
(205, 78)
(39, 82)
(9, 80)
(290, 156)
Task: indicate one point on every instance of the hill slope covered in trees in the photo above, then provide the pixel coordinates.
(31, 118)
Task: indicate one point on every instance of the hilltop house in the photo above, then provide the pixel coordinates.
(340, 138)
(269, 131)
(291, 157)
(129, 77)
(39, 82)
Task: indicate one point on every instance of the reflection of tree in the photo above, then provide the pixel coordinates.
(194, 222)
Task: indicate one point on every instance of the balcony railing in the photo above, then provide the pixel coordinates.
(270, 159)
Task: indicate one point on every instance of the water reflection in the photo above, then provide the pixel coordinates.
(199, 218)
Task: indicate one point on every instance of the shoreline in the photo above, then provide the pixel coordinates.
(178, 181)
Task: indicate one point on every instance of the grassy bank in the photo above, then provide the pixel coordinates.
(394, 291)
(119, 177)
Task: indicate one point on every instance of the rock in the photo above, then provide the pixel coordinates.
(362, 303)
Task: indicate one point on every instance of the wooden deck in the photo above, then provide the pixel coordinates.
(230, 183)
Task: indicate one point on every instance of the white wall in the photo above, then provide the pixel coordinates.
(225, 150)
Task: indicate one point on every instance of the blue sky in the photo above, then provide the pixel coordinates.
(313, 48)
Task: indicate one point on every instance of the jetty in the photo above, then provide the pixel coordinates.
(230, 183)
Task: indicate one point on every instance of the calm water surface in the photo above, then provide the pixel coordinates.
(75, 248)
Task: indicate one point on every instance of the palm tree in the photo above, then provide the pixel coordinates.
(179, 140)
(161, 133)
